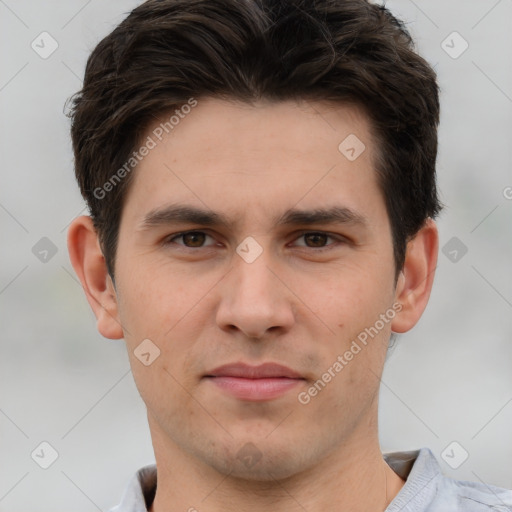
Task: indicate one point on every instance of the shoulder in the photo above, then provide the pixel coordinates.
(473, 496)
(427, 489)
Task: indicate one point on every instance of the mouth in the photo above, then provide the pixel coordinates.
(254, 383)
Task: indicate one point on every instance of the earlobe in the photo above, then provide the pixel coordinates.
(89, 264)
(415, 281)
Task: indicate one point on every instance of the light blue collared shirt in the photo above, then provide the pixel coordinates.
(426, 489)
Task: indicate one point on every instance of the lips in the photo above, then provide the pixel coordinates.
(263, 371)
(254, 383)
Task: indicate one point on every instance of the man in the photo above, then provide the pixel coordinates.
(260, 176)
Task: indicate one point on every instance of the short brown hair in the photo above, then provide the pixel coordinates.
(168, 51)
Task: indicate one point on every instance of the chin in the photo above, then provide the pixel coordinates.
(258, 462)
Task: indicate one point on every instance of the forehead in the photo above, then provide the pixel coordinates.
(262, 123)
(236, 155)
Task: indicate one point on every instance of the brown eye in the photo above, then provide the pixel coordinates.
(316, 239)
(193, 239)
(189, 239)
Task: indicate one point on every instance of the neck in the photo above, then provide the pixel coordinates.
(355, 477)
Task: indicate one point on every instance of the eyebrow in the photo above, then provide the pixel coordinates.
(174, 214)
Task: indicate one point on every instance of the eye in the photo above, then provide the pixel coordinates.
(317, 240)
(191, 239)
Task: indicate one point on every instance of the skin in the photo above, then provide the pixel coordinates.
(204, 306)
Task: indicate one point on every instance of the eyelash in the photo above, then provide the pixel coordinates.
(169, 240)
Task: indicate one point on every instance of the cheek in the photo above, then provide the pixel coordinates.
(351, 303)
(349, 297)
(151, 299)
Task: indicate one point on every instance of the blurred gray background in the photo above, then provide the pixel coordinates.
(448, 382)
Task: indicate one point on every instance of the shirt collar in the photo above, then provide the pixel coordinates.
(421, 472)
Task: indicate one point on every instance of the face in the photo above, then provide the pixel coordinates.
(262, 278)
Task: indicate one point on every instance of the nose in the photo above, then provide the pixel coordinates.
(255, 299)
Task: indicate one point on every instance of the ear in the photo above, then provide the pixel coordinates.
(90, 266)
(416, 277)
